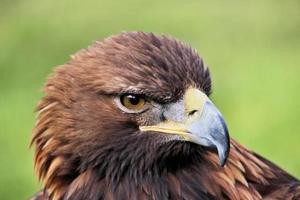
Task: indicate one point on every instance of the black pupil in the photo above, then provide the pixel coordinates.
(134, 100)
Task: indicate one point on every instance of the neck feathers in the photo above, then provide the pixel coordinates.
(238, 179)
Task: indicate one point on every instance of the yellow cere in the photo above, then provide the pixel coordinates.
(194, 99)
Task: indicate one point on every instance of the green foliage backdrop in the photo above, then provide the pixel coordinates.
(252, 48)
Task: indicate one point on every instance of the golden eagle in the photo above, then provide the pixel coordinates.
(130, 118)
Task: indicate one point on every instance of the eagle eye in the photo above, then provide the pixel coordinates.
(132, 103)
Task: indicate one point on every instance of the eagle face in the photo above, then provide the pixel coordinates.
(133, 104)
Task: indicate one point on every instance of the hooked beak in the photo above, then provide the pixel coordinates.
(202, 124)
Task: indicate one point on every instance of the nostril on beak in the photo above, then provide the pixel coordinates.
(192, 112)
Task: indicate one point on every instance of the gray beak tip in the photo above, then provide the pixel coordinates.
(223, 157)
(223, 149)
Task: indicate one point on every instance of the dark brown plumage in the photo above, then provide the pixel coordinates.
(87, 148)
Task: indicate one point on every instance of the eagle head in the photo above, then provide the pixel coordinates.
(133, 105)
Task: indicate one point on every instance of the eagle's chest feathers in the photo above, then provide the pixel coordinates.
(207, 180)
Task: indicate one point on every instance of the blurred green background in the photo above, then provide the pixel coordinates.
(252, 48)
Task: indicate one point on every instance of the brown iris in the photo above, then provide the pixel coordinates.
(133, 102)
